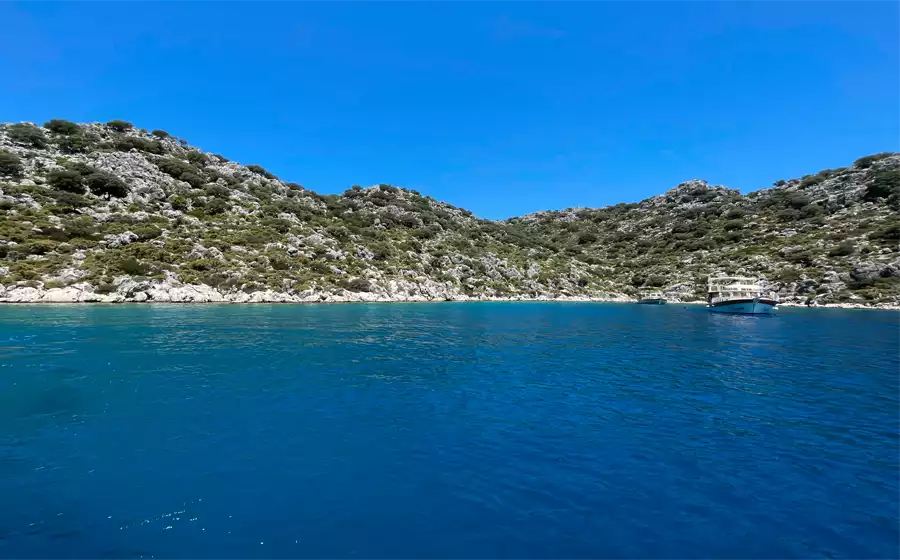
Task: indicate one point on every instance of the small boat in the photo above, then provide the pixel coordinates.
(653, 299)
(739, 294)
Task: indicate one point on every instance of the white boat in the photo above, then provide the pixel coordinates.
(739, 294)
(654, 298)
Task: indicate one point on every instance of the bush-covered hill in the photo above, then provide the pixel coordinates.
(106, 212)
(832, 236)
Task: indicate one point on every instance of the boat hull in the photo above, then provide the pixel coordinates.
(759, 306)
(652, 301)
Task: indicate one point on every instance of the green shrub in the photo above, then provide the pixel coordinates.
(182, 171)
(70, 200)
(10, 164)
(885, 183)
(40, 246)
(359, 285)
(277, 224)
(196, 157)
(105, 288)
(55, 234)
(797, 200)
(161, 134)
(102, 183)
(174, 167)
(179, 202)
(27, 134)
(132, 266)
(278, 262)
(788, 275)
(785, 199)
(64, 127)
(259, 170)
(788, 215)
(699, 245)
(203, 264)
(587, 238)
(80, 167)
(811, 211)
(887, 233)
(66, 180)
(76, 143)
(812, 180)
(218, 191)
(866, 162)
(127, 143)
(216, 206)
(382, 251)
(805, 258)
(81, 226)
(120, 126)
(733, 225)
(193, 179)
(842, 250)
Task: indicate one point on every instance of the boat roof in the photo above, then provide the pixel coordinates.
(732, 278)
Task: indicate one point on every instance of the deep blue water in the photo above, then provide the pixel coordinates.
(447, 430)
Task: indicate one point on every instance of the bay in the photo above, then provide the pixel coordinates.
(469, 430)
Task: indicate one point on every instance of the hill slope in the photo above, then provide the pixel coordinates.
(109, 213)
(832, 236)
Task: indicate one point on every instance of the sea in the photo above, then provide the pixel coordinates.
(447, 430)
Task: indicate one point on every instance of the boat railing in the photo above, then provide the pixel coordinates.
(741, 294)
(735, 288)
(734, 284)
(749, 279)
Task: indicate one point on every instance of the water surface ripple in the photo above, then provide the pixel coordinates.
(447, 430)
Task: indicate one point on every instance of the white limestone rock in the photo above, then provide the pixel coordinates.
(121, 239)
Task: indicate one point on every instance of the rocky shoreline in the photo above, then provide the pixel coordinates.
(129, 290)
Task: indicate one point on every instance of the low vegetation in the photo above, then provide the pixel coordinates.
(10, 164)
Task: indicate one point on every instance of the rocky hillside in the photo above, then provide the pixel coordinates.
(832, 236)
(106, 212)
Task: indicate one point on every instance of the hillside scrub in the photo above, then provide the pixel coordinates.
(10, 164)
(60, 126)
(126, 212)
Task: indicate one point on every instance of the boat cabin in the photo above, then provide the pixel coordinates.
(723, 288)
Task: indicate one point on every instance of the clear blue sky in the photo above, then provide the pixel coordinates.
(502, 108)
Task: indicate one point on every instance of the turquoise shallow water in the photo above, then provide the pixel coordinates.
(447, 430)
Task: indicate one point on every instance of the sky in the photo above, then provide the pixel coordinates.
(502, 108)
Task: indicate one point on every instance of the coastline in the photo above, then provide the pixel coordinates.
(131, 291)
